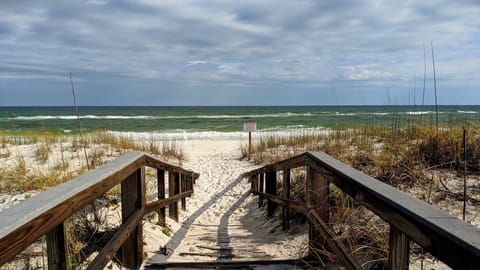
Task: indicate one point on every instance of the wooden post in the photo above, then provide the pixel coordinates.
(183, 188)
(57, 248)
(398, 257)
(271, 188)
(189, 183)
(317, 199)
(261, 189)
(254, 182)
(286, 195)
(173, 189)
(161, 196)
(249, 144)
(133, 200)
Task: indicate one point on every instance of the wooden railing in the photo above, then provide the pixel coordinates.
(46, 213)
(451, 240)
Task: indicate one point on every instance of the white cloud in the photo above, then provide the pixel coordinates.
(366, 72)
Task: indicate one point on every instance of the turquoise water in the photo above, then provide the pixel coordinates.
(223, 119)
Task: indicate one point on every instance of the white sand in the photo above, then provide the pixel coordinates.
(222, 220)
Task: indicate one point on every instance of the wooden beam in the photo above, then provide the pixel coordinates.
(183, 188)
(398, 256)
(57, 252)
(271, 188)
(161, 196)
(261, 189)
(154, 206)
(122, 234)
(286, 196)
(173, 189)
(293, 205)
(341, 252)
(132, 201)
(153, 162)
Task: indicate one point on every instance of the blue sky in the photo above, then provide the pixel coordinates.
(265, 52)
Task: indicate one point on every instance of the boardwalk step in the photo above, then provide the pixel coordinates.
(258, 265)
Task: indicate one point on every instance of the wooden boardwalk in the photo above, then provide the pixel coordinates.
(228, 226)
(218, 233)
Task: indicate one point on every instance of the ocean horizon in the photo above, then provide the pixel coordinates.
(226, 119)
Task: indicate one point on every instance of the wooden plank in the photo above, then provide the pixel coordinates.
(161, 196)
(293, 205)
(110, 249)
(317, 200)
(173, 189)
(451, 240)
(271, 188)
(329, 237)
(132, 201)
(286, 196)
(183, 188)
(399, 250)
(153, 162)
(154, 206)
(261, 189)
(294, 162)
(57, 252)
(23, 223)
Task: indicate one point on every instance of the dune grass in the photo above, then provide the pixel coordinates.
(54, 157)
(402, 156)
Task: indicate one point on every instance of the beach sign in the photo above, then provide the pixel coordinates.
(250, 126)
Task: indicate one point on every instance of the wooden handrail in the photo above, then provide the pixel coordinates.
(23, 223)
(451, 240)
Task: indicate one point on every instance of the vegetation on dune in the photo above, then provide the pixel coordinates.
(406, 157)
(53, 155)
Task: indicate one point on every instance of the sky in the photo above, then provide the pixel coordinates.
(221, 52)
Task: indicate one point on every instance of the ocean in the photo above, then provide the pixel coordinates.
(214, 120)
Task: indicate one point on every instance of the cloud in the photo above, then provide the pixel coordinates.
(366, 72)
(258, 44)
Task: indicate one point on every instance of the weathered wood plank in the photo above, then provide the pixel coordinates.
(317, 200)
(183, 188)
(22, 224)
(294, 162)
(271, 188)
(132, 201)
(294, 205)
(154, 206)
(261, 188)
(399, 250)
(110, 249)
(329, 237)
(286, 196)
(57, 252)
(153, 162)
(173, 189)
(161, 196)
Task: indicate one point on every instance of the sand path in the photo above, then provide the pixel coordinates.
(223, 221)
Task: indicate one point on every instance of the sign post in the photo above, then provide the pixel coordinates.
(249, 127)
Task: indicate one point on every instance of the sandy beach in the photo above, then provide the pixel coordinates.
(222, 220)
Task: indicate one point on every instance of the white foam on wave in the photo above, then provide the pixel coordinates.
(73, 117)
(419, 112)
(215, 135)
(123, 117)
(468, 112)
